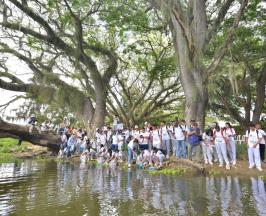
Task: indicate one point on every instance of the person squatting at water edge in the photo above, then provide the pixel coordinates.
(153, 145)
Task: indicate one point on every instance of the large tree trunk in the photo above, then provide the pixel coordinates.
(193, 77)
(98, 118)
(260, 99)
(22, 132)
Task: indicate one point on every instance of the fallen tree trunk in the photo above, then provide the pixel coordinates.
(22, 132)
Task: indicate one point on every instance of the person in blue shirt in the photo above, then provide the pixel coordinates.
(71, 143)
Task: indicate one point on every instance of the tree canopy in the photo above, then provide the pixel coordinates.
(140, 60)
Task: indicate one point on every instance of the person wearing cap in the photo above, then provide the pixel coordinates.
(33, 124)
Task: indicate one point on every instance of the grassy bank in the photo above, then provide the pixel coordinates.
(9, 147)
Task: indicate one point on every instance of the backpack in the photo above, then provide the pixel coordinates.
(194, 139)
(222, 132)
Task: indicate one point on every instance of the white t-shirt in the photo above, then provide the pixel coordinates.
(98, 140)
(220, 137)
(127, 134)
(156, 141)
(178, 131)
(115, 139)
(136, 134)
(146, 137)
(103, 139)
(109, 134)
(131, 144)
(263, 136)
(120, 139)
(146, 153)
(159, 154)
(230, 133)
(253, 137)
(165, 134)
(206, 139)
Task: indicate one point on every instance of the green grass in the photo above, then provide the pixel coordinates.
(214, 172)
(177, 171)
(8, 146)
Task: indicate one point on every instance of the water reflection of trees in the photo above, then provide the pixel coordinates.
(103, 191)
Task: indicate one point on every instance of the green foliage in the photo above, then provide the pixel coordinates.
(8, 147)
(166, 171)
(241, 151)
(214, 172)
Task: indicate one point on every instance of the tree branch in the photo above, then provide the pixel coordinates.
(221, 52)
(221, 15)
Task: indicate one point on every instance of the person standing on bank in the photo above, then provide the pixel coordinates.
(231, 144)
(262, 142)
(194, 134)
(220, 140)
(165, 139)
(179, 140)
(253, 139)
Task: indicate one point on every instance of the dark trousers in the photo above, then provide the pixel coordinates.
(262, 152)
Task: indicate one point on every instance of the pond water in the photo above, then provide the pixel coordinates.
(57, 188)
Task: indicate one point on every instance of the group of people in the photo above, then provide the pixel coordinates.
(152, 145)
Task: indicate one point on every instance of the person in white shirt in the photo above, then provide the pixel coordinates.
(262, 142)
(97, 136)
(253, 139)
(126, 133)
(157, 157)
(115, 122)
(156, 140)
(179, 140)
(121, 139)
(220, 141)
(144, 157)
(165, 138)
(231, 144)
(109, 137)
(144, 140)
(136, 132)
(132, 146)
(103, 139)
(207, 143)
(114, 146)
